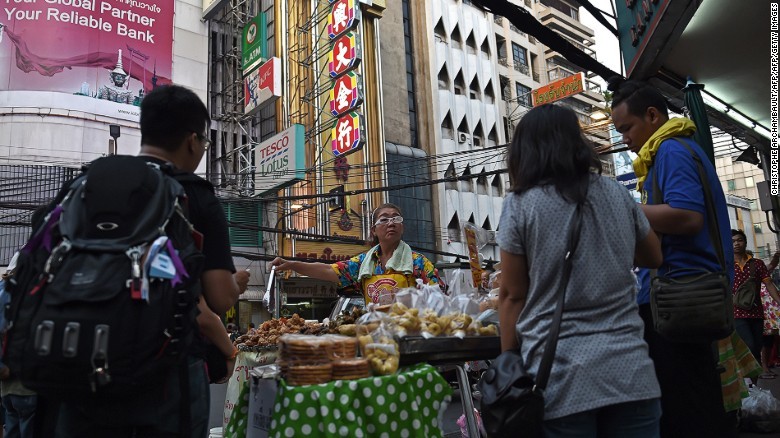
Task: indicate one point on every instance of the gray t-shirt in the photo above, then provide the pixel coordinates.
(601, 357)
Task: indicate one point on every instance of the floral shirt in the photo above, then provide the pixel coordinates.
(348, 270)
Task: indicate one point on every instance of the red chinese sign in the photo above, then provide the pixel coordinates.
(344, 15)
(344, 56)
(346, 134)
(345, 94)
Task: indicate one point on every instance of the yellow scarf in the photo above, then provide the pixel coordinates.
(679, 127)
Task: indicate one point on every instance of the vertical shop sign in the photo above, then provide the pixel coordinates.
(344, 56)
(345, 93)
(347, 134)
(344, 15)
(253, 43)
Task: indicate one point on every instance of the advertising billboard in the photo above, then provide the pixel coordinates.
(109, 50)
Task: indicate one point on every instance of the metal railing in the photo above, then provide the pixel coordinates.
(503, 62)
(498, 20)
(535, 76)
(522, 68)
(559, 72)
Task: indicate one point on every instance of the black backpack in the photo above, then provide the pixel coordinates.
(103, 302)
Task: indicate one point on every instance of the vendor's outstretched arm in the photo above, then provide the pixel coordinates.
(320, 271)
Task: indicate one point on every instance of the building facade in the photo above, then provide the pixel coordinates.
(740, 179)
(482, 71)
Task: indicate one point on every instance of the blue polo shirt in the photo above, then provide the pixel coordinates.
(678, 180)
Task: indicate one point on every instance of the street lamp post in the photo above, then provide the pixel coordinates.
(114, 132)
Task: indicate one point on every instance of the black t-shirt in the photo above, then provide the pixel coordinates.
(207, 216)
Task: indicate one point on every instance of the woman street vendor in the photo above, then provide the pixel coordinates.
(387, 267)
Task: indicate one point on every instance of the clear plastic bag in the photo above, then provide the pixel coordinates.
(760, 412)
(382, 352)
(461, 283)
(761, 404)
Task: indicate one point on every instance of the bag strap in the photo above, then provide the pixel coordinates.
(709, 205)
(555, 329)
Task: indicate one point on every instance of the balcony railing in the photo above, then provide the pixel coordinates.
(577, 44)
(514, 28)
(559, 73)
(535, 76)
(522, 68)
(528, 4)
(503, 62)
(498, 20)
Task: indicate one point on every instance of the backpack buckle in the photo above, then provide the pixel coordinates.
(135, 283)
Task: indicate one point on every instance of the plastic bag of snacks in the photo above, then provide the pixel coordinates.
(382, 351)
(406, 320)
(433, 304)
(409, 297)
(433, 299)
(370, 321)
(461, 283)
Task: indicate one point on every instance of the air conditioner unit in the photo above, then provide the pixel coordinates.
(464, 137)
(491, 237)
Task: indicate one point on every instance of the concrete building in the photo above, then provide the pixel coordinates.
(739, 179)
(482, 72)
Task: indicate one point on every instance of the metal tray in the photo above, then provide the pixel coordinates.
(449, 349)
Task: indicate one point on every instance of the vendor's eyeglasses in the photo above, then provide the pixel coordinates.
(389, 220)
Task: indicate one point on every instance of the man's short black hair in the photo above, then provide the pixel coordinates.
(638, 96)
(739, 233)
(169, 114)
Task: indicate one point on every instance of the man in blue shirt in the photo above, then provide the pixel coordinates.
(691, 400)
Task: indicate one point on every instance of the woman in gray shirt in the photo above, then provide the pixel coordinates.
(602, 381)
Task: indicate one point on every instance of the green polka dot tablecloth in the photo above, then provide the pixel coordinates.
(405, 404)
(236, 427)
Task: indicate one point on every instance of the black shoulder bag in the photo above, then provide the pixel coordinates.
(512, 402)
(747, 295)
(698, 307)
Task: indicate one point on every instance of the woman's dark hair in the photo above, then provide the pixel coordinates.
(739, 233)
(169, 114)
(638, 96)
(548, 148)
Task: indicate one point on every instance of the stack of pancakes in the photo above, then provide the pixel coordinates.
(350, 369)
(310, 360)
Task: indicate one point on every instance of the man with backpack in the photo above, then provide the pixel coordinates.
(120, 282)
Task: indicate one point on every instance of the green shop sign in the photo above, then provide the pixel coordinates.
(253, 44)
